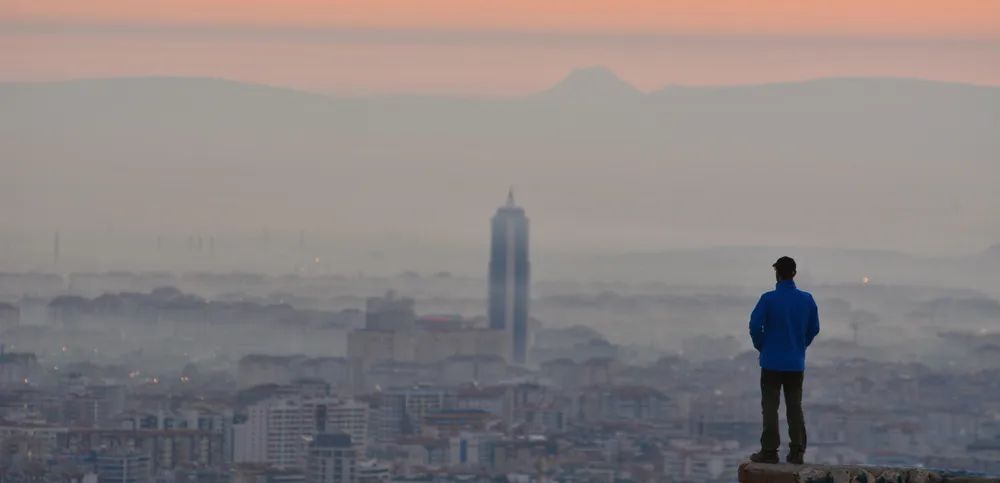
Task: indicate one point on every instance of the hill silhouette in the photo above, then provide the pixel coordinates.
(592, 83)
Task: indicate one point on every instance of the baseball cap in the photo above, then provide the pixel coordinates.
(785, 265)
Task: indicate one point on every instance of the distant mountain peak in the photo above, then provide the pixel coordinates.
(593, 81)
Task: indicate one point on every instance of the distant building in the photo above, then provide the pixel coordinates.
(10, 316)
(258, 369)
(434, 346)
(348, 417)
(372, 471)
(255, 473)
(335, 371)
(523, 455)
(164, 449)
(370, 350)
(99, 406)
(479, 369)
(26, 440)
(624, 403)
(398, 374)
(448, 422)
(17, 368)
(332, 459)
(275, 431)
(132, 467)
(691, 461)
(367, 347)
(473, 450)
(390, 313)
(442, 322)
(401, 411)
(423, 453)
(509, 277)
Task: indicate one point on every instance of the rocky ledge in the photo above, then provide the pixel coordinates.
(785, 473)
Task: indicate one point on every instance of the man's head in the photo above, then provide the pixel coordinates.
(784, 268)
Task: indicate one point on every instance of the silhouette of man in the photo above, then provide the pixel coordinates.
(782, 325)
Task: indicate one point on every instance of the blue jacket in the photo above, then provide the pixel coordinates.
(782, 325)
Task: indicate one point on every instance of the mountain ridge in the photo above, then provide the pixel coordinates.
(572, 79)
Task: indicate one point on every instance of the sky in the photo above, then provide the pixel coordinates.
(507, 47)
(881, 181)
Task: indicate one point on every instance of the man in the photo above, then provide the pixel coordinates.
(782, 325)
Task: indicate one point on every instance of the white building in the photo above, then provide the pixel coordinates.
(349, 417)
(275, 432)
(124, 468)
(690, 461)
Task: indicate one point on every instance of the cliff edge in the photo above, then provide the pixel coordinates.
(784, 473)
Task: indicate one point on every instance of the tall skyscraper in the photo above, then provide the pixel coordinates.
(510, 276)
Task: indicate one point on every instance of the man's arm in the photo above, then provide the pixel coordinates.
(813, 328)
(757, 324)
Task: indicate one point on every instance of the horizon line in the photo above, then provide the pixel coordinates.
(496, 96)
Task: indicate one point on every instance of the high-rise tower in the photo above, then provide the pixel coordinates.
(510, 276)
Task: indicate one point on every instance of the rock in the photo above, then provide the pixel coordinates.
(784, 473)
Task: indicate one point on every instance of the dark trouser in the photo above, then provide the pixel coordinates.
(771, 383)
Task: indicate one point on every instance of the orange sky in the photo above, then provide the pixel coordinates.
(498, 46)
(953, 18)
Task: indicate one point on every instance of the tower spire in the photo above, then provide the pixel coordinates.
(510, 196)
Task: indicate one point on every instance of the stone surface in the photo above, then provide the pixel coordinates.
(785, 473)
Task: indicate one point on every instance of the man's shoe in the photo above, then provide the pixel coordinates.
(795, 458)
(770, 457)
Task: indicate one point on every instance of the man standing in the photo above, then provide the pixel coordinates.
(782, 325)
